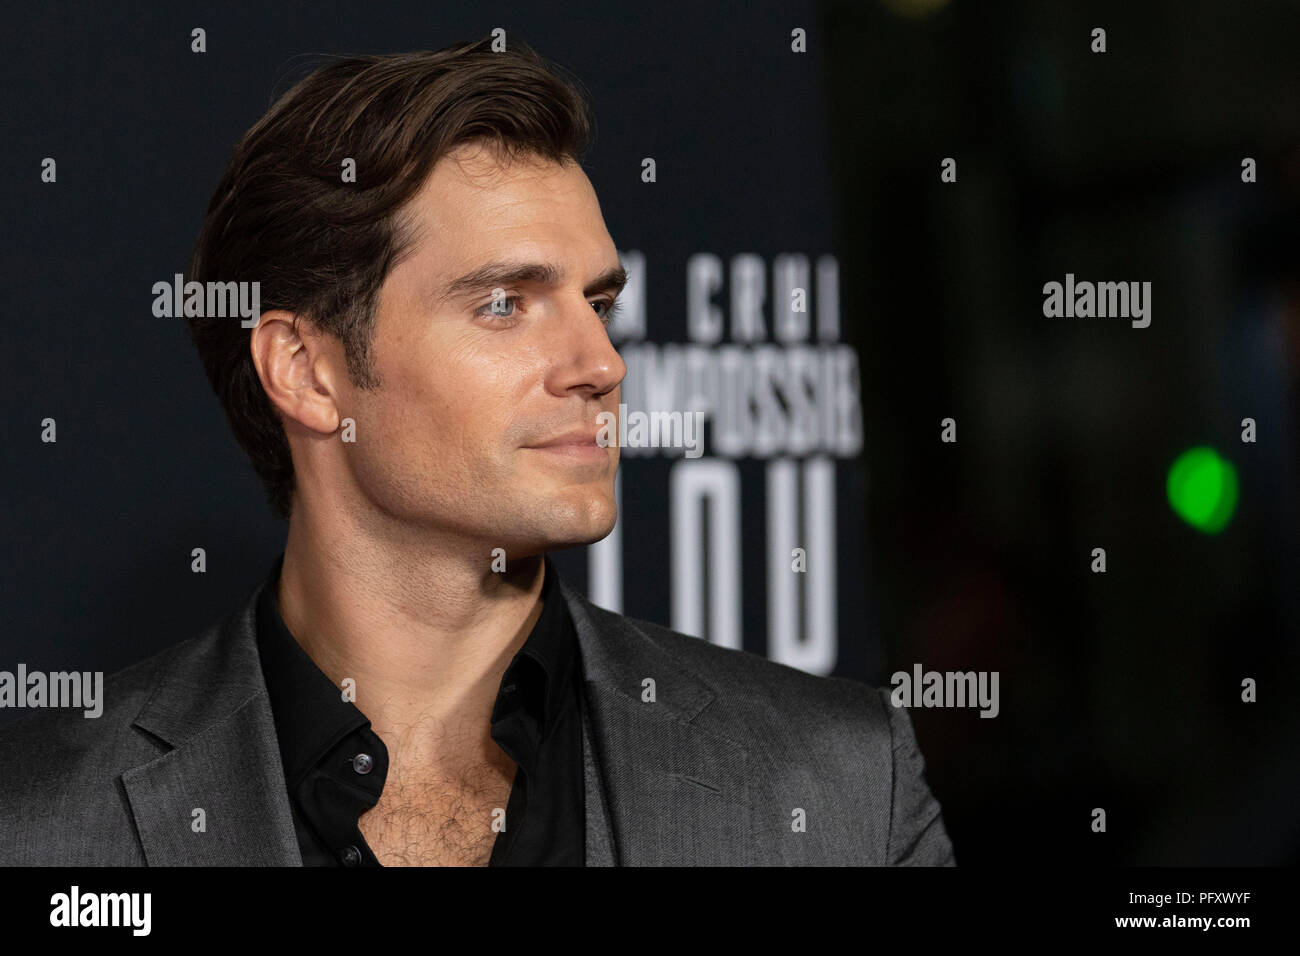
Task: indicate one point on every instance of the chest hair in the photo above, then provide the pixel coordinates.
(436, 820)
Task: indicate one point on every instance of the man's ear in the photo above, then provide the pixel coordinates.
(297, 369)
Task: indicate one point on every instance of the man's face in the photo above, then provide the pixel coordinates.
(485, 420)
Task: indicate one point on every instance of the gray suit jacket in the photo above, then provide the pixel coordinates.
(710, 773)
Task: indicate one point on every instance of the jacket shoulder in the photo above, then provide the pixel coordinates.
(748, 681)
(836, 747)
(62, 779)
(125, 692)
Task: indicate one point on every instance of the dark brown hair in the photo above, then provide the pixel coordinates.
(320, 247)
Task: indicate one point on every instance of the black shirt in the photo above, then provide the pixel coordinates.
(335, 765)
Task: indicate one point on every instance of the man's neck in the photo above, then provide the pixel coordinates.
(425, 630)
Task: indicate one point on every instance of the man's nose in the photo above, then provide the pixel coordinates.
(589, 360)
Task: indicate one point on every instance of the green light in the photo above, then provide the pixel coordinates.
(1202, 489)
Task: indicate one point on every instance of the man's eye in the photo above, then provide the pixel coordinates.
(503, 308)
(611, 309)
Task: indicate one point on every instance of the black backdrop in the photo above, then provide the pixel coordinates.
(1119, 690)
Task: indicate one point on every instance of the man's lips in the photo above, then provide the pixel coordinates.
(579, 444)
(578, 437)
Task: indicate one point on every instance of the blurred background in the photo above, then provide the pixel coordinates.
(1120, 690)
(783, 160)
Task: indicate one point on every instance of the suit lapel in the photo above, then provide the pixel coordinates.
(665, 790)
(599, 829)
(211, 708)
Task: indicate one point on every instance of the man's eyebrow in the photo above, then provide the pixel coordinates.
(501, 274)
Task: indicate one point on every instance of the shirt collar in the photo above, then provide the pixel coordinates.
(312, 716)
(544, 666)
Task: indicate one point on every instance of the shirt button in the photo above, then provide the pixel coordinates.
(362, 763)
(351, 856)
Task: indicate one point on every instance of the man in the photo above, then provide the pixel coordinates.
(412, 684)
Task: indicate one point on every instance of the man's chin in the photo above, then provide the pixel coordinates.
(570, 520)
